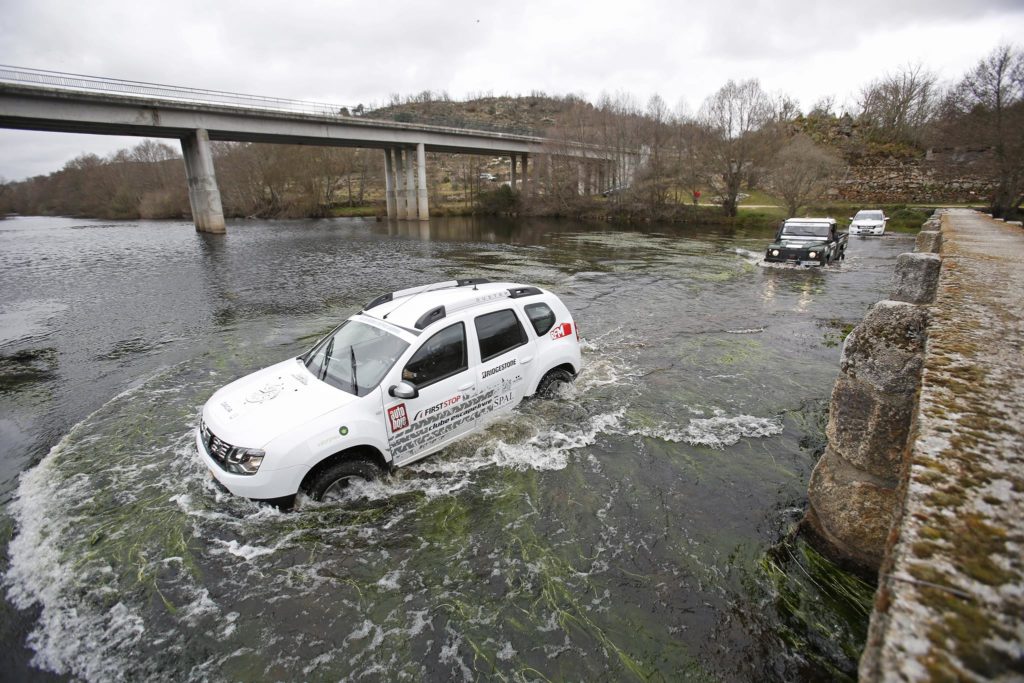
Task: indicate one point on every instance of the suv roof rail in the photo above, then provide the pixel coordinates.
(520, 292)
(390, 296)
(441, 312)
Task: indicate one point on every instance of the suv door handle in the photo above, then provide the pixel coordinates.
(466, 387)
(526, 361)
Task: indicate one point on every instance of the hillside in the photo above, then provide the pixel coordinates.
(527, 114)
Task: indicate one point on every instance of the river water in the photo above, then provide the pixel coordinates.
(635, 527)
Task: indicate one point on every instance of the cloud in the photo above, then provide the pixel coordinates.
(351, 52)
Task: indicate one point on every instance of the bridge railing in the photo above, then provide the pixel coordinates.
(95, 84)
(81, 82)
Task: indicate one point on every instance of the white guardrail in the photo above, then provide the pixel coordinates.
(95, 84)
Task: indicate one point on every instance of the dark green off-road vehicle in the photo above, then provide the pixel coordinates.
(807, 242)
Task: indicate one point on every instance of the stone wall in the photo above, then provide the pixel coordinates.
(854, 487)
(894, 181)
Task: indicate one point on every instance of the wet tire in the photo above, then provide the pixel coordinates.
(330, 483)
(549, 383)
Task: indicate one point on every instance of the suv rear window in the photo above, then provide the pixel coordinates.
(440, 357)
(499, 332)
(541, 317)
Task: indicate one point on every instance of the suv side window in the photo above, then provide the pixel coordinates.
(541, 317)
(499, 332)
(440, 357)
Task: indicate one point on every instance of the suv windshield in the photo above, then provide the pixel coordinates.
(806, 229)
(868, 216)
(355, 357)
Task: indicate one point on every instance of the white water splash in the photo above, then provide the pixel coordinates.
(716, 432)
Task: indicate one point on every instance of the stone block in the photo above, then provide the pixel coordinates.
(916, 278)
(886, 349)
(850, 513)
(869, 428)
(928, 242)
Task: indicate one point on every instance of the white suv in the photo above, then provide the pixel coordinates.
(412, 372)
(868, 222)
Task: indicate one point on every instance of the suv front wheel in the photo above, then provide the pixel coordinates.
(329, 485)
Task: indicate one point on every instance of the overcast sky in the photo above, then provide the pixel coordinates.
(360, 52)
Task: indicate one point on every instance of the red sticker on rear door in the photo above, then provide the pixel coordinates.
(563, 330)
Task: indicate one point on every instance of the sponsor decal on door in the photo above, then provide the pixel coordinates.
(398, 418)
(563, 330)
(437, 422)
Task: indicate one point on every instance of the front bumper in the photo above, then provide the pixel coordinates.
(794, 256)
(263, 485)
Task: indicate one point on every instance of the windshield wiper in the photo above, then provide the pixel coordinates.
(328, 352)
(355, 382)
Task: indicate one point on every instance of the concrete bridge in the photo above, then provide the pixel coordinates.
(32, 99)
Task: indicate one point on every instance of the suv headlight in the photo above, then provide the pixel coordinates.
(245, 460)
(812, 254)
(775, 252)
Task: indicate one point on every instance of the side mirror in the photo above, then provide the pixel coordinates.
(404, 390)
(885, 219)
(851, 218)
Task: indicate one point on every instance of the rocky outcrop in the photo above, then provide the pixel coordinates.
(853, 492)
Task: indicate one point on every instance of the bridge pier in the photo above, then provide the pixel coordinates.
(203, 194)
(410, 187)
(526, 186)
(422, 198)
(400, 210)
(389, 182)
(512, 177)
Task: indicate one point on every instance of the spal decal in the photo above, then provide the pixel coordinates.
(563, 330)
(503, 400)
(398, 418)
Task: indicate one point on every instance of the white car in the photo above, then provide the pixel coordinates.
(868, 222)
(409, 374)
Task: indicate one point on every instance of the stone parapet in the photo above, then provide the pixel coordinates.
(950, 602)
(916, 277)
(929, 242)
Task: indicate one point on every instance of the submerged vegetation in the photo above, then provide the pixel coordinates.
(825, 610)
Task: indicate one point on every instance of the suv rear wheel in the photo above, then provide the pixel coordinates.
(330, 483)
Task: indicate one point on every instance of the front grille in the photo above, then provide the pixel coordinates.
(218, 449)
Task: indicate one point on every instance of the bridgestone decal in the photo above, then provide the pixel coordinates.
(495, 370)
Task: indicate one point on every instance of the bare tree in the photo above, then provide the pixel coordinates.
(732, 117)
(899, 105)
(986, 110)
(802, 171)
